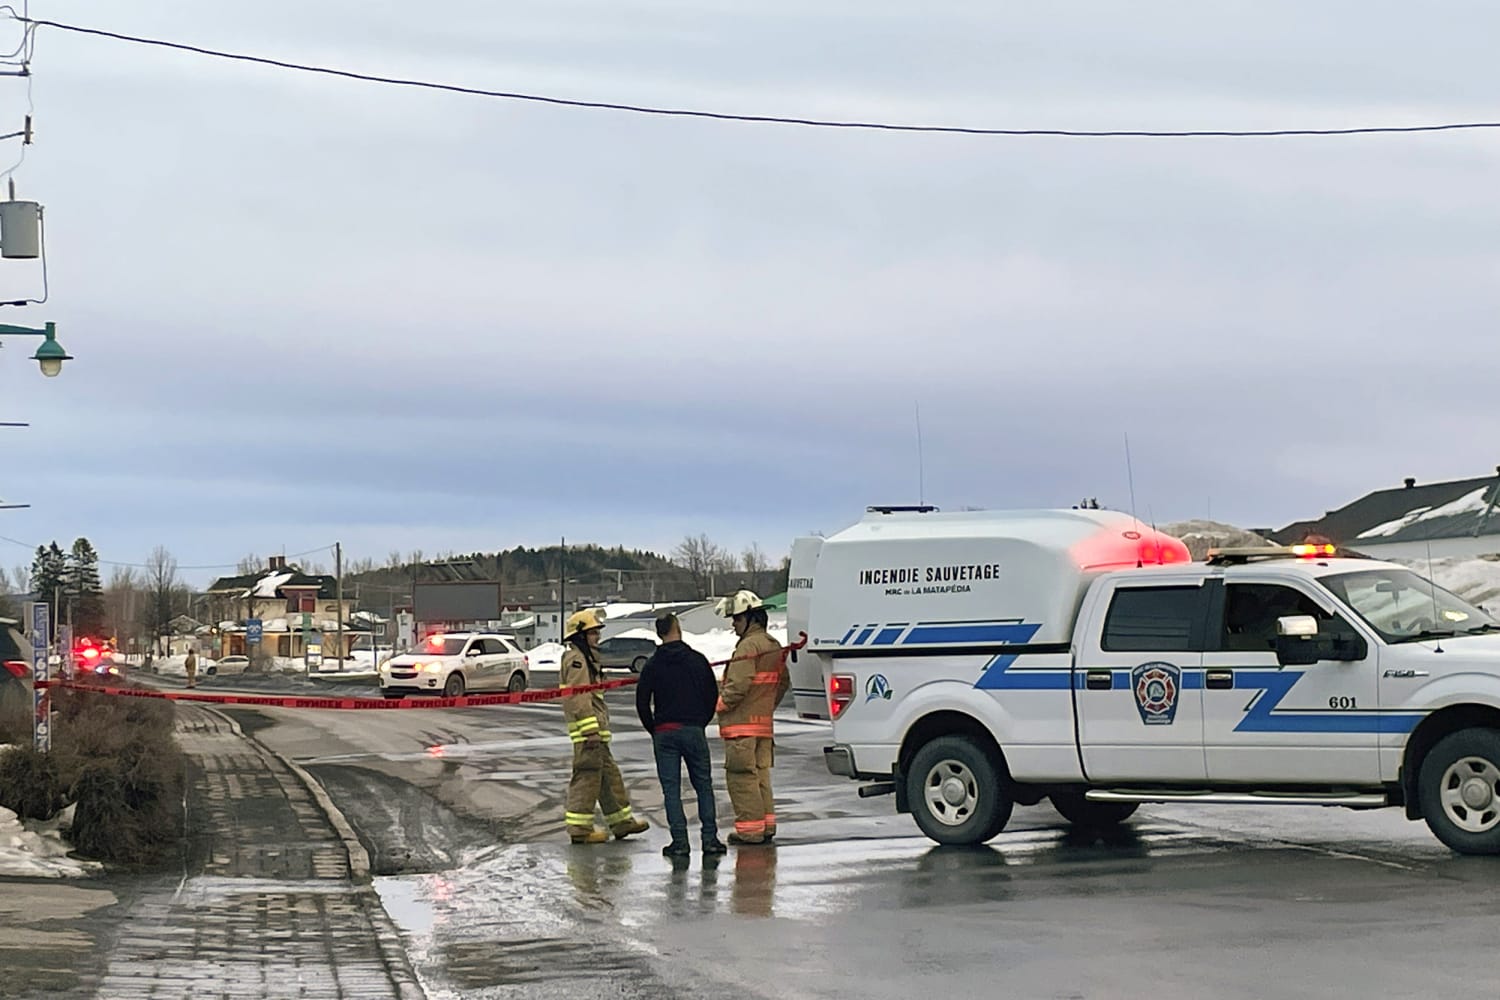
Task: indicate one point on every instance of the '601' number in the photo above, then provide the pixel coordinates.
(1342, 703)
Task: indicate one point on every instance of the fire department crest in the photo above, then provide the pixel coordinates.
(1156, 686)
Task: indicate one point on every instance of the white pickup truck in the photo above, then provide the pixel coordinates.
(976, 660)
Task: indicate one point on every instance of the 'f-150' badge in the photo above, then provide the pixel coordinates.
(1156, 686)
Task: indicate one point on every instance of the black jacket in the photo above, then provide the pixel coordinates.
(678, 682)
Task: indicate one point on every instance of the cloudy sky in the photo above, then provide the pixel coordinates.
(307, 310)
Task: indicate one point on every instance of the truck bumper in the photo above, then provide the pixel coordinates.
(839, 759)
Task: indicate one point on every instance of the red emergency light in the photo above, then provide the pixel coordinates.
(1128, 549)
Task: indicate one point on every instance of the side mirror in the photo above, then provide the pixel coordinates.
(1296, 641)
(473, 651)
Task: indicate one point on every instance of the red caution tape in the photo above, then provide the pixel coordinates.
(376, 704)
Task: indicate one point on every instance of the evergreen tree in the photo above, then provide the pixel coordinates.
(85, 589)
(49, 578)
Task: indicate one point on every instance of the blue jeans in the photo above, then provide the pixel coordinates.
(674, 748)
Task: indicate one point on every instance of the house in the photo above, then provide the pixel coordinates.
(292, 606)
(1454, 519)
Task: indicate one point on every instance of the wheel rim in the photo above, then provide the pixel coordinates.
(517, 685)
(1471, 794)
(951, 792)
(454, 688)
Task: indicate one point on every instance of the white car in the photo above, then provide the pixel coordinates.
(456, 663)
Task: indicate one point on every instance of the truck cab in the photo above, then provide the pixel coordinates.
(1261, 676)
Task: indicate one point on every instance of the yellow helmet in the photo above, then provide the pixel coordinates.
(738, 604)
(583, 621)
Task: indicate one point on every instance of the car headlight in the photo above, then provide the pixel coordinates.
(432, 668)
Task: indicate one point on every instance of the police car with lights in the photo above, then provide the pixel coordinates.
(973, 661)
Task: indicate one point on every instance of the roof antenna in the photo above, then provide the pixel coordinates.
(1156, 535)
(921, 470)
(1130, 477)
(1433, 591)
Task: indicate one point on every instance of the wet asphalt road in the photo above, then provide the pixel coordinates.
(462, 813)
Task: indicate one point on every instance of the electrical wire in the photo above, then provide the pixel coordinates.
(759, 118)
(134, 565)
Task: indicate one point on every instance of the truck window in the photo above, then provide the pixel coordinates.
(1251, 611)
(1154, 619)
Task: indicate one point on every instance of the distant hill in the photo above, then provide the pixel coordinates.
(531, 576)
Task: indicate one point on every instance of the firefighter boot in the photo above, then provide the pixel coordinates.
(628, 827)
(587, 836)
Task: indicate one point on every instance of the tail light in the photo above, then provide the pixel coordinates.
(17, 668)
(840, 693)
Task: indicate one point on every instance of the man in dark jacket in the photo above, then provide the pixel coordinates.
(675, 699)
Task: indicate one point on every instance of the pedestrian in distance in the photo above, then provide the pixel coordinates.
(675, 698)
(596, 778)
(755, 681)
(190, 665)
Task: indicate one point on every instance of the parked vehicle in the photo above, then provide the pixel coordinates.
(974, 661)
(15, 668)
(455, 663)
(626, 652)
(228, 665)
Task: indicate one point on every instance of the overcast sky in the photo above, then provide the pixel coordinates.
(306, 310)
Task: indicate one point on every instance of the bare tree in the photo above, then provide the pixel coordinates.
(395, 560)
(20, 578)
(250, 564)
(755, 561)
(122, 601)
(161, 590)
(702, 559)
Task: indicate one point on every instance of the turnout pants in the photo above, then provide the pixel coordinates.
(596, 780)
(747, 775)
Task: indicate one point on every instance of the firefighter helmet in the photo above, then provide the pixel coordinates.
(584, 621)
(739, 603)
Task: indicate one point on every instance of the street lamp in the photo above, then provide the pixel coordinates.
(50, 355)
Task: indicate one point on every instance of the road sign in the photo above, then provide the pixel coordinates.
(314, 655)
(254, 630)
(41, 674)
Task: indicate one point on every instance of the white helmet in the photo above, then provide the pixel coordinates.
(738, 604)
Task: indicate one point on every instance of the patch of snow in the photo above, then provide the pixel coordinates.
(268, 586)
(624, 609)
(638, 633)
(718, 645)
(1469, 503)
(36, 849)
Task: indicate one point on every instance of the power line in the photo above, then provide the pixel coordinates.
(132, 565)
(759, 118)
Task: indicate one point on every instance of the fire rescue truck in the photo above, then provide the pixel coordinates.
(974, 661)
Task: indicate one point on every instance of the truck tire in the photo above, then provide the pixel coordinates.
(1459, 787)
(1093, 815)
(956, 793)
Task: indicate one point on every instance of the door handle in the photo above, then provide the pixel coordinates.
(1099, 680)
(1219, 679)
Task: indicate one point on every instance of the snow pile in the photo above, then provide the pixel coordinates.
(1475, 580)
(638, 633)
(1200, 536)
(547, 656)
(37, 850)
(176, 666)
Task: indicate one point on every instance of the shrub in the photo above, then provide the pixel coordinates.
(118, 760)
(29, 783)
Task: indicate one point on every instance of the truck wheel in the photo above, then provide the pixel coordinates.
(955, 792)
(1094, 815)
(1459, 786)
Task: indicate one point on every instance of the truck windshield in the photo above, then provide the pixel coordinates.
(1403, 607)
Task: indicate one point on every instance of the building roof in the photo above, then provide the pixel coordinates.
(272, 583)
(1456, 509)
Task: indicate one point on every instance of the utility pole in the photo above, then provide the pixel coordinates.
(562, 590)
(338, 577)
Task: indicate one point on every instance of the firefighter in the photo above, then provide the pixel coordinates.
(755, 681)
(596, 777)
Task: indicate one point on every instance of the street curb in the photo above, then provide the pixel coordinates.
(387, 935)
